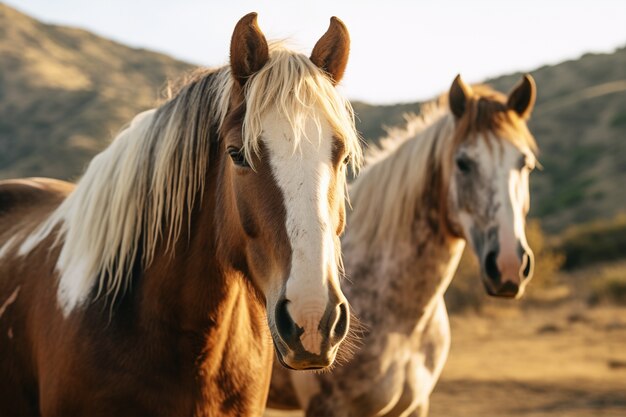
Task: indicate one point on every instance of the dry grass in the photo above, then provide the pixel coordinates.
(609, 286)
(561, 361)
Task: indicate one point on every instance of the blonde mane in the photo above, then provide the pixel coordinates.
(410, 169)
(137, 191)
(386, 194)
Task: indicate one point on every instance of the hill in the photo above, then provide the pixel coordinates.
(65, 92)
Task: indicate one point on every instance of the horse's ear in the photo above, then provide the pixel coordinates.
(248, 49)
(331, 51)
(522, 98)
(458, 96)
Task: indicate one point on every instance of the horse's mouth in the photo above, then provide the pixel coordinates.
(309, 360)
(307, 368)
(505, 291)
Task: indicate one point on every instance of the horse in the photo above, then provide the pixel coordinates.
(458, 173)
(203, 239)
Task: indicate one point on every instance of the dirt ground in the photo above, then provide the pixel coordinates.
(562, 361)
(566, 360)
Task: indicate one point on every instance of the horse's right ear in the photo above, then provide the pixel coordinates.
(458, 96)
(248, 49)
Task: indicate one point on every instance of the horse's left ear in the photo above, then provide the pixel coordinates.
(331, 51)
(249, 51)
(522, 98)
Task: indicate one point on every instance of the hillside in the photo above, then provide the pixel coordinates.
(580, 125)
(65, 92)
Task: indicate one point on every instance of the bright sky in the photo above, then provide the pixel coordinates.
(402, 50)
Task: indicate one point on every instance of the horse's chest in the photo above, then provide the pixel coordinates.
(233, 394)
(236, 382)
(378, 375)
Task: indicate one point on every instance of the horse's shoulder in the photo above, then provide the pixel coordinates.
(28, 191)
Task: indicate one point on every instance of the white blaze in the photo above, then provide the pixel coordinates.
(303, 174)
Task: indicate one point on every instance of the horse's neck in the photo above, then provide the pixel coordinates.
(196, 283)
(399, 287)
(203, 314)
(211, 323)
(400, 274)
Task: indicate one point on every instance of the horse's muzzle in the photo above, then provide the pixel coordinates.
(316, 350)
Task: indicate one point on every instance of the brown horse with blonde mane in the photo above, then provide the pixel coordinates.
(147, 288)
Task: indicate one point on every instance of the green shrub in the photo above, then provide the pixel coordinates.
(619, 120)
(595, 242)
(609, 287)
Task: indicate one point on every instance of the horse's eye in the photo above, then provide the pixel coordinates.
(464, 165)
(239, 159)
(523, 163)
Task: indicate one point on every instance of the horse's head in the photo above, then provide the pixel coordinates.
(288, 136)
(489, 172)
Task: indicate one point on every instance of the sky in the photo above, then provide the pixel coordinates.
(402, 50)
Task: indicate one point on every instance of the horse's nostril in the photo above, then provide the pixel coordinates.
(527, 261)
(491, 266)
(341, 325)
(284, 323)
